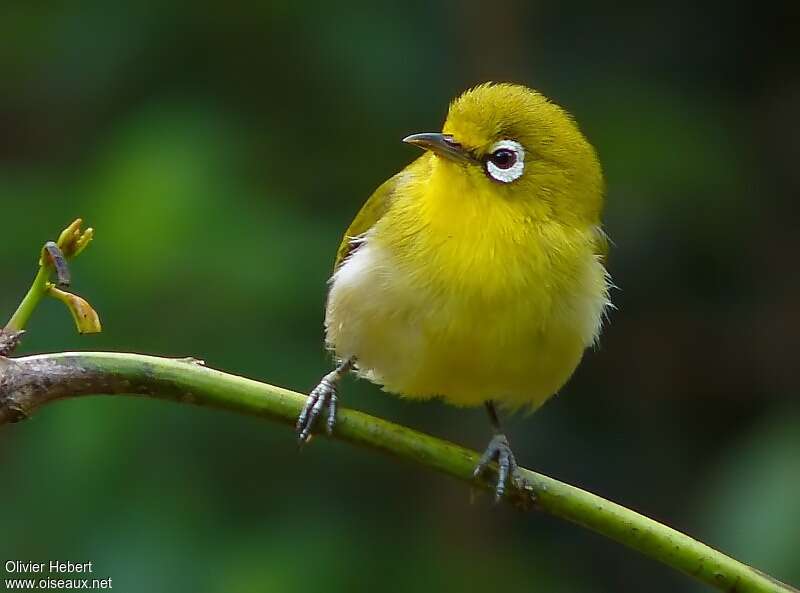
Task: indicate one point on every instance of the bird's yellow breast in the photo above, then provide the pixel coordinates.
(458, 293)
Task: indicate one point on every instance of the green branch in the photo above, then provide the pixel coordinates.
(34, 296)
(27, 383)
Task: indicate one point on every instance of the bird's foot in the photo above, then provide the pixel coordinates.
(323, 395)
(500, 451)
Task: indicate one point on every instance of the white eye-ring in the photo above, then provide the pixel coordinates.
(505, 161)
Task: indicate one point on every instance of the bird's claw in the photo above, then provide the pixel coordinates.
(322, 395)
(500, 451)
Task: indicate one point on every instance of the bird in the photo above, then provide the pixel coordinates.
(476, 274)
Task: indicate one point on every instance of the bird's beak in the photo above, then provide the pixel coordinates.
(441, 144)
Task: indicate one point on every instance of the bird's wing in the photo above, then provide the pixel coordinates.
(371, 212)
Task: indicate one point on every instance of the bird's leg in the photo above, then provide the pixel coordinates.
(322, 395)
(498, 450)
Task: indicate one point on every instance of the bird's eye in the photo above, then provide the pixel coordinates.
(505, 161)
(503, 158)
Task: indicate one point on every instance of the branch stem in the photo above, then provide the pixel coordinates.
(35, 294)
(30, 382)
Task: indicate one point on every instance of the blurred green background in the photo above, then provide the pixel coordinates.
(221, 149)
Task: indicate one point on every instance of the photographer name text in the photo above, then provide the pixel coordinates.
(54, 566)
(18, 569)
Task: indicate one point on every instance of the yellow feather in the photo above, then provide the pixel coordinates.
(372, 210)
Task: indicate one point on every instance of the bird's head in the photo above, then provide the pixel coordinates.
(511, 142)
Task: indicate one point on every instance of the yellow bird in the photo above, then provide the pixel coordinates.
(476, 273)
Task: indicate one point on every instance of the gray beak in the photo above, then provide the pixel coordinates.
(440, 144)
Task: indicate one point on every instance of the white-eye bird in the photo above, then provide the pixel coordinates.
(476, 273)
